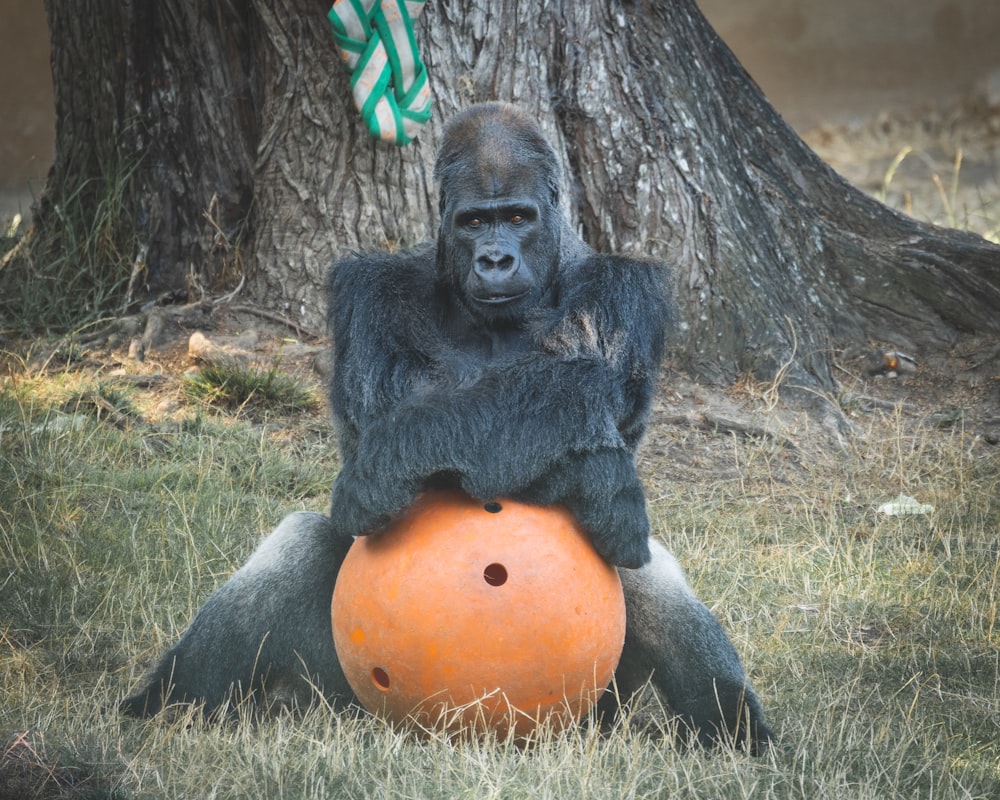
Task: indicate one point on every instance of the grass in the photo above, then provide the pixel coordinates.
(239, 387)
(873, 640)
(81, 273)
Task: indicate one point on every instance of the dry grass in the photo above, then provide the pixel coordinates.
(873, 639)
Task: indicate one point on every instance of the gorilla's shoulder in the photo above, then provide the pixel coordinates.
(620, 280)
(381, 273)
(606, 268)
(378, 286)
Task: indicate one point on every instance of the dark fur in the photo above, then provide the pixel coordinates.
(543, 398)
(509, 360)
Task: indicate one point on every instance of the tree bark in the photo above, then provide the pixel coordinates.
(251, 157)
(168, 89)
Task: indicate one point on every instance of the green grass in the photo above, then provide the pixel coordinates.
(239, 387)
(873, 640)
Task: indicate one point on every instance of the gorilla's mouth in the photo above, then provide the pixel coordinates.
(500, 299)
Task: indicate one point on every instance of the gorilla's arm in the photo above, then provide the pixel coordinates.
(557, 423)
(492, 444)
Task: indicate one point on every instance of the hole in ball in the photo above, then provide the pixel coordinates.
(495, 574)
(493, 507)
(380, 678)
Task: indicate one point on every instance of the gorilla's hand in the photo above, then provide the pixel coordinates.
(362, 503)
(602, 490)
(618, 525)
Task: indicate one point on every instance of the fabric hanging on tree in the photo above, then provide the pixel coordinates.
(388, 79)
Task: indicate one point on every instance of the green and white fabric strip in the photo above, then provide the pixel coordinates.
(388, 79)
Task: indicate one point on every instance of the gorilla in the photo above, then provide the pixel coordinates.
(507, 359)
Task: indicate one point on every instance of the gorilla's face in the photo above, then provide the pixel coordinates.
(503, 253)
(498, 248)
(499, 243)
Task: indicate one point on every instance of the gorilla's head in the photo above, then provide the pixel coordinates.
(498, 247)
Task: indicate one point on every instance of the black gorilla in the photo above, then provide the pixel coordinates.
(511, 361)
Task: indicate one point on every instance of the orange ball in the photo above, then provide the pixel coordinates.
(472, 617)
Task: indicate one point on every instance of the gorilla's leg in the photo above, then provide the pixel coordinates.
(265, 634)
(673, 639)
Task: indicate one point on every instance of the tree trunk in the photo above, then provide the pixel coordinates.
(169, 90)
(250, 157)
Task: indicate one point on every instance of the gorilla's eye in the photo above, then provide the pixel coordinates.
(516, 219)
(475, 222)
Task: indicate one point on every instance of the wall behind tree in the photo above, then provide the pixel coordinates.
(819, 61)
(816, 61)
(27, 120)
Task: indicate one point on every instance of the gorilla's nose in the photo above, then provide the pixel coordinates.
(495, 261)
(492, 258)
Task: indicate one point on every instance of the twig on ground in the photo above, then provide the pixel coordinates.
(711, 422)
(300, 329)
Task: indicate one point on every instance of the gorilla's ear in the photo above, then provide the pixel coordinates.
(554, 192)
